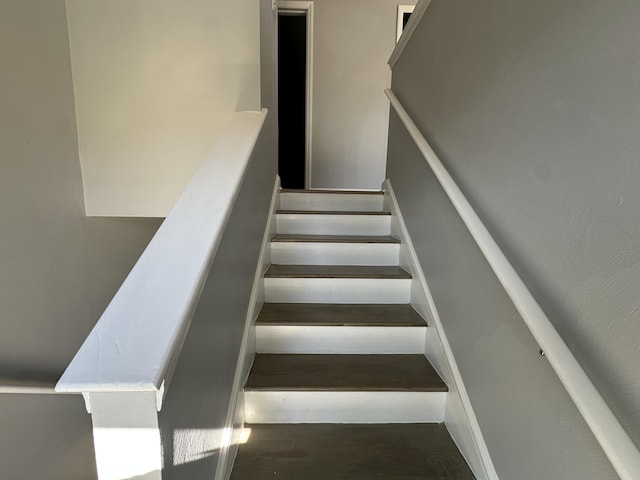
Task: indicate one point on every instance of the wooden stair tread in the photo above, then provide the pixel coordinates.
(327, 314)
(348, 451)
(333, 192)
(384, 373)
(332, 212)
(336, 271)
(303, 238)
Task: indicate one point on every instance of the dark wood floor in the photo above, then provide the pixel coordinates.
(300, 238)
(335, 271)
(350, 452)
(339, 192)
(331, 212)
(344, 373)
(328, 314)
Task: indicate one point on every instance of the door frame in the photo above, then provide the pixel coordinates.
(306, 8)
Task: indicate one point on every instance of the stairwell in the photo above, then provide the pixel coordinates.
(340, 387)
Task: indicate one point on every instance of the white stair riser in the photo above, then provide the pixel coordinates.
(343, 202)
(344, 407)
(337, 290)
(340, 339)
(306, 253)
(317, 224)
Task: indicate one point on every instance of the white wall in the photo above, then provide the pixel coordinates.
(155, 81)
(353, 40)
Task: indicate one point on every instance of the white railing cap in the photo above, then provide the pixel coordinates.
(135, 344)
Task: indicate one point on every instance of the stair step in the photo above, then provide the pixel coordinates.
(343, 389)
(335, 212)
(331, 329)
(312, 191)
(340, 452)
(322, 314)
(336, 284)
(331, 200)
(336, 271)
(333, 223)
(334, 250)
(299, 238)
(374, 373)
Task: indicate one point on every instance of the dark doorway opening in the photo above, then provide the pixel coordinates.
(405, 19)
(292, 72)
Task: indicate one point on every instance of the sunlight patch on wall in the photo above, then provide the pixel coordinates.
(194, 444)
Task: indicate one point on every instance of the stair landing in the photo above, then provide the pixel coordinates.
(350, 452)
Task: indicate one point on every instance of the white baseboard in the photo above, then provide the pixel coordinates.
(235, 414)
(460, 418)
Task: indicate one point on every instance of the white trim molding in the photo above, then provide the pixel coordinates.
(614, 440)
(305, 8)
(407, 33)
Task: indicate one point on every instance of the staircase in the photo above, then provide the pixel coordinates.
(340, 387)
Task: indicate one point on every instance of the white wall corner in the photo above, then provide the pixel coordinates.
(460, 418)
(234, 422)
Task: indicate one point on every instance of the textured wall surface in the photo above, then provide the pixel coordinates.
(533, 107)
(352, 43)
(155, 82)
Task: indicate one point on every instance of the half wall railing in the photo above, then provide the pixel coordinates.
(125, 367)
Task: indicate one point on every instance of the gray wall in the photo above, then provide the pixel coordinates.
(533, 106)
(45, 436)
(353, 40)
(58, 270)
